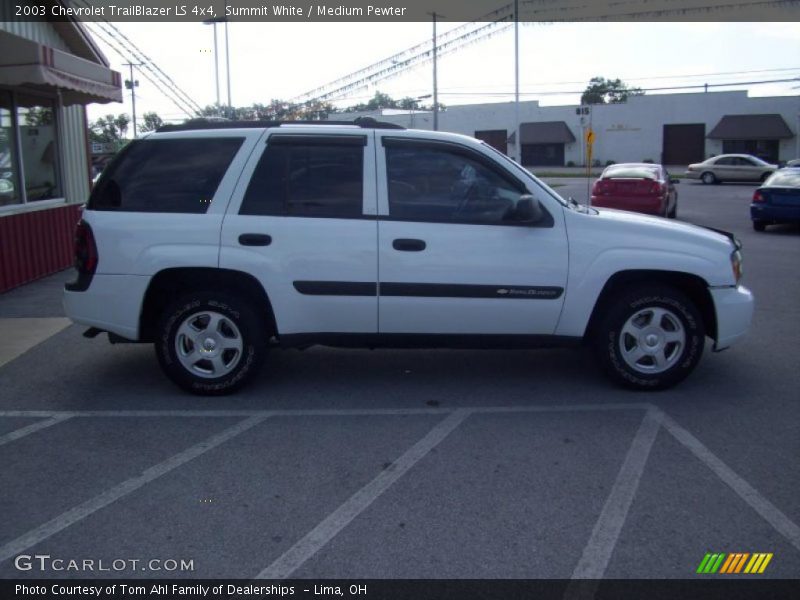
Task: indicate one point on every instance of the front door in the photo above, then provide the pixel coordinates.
(451, 261)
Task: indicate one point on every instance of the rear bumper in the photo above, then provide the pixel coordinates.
(771, 212)
(112, 303)
(649, 206)
(734, 311)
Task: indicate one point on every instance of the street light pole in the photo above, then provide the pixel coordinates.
(216, 61)
(213, 23)
(516, 82)
(228, 64)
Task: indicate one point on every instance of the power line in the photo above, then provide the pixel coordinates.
(126, 48)
(124, 53)
(550, 11)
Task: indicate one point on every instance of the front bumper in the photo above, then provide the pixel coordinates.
(734, 311)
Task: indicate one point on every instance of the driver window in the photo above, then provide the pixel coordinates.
(440, 184)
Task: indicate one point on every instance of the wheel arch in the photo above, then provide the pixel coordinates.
(173, 282)
(693, 286)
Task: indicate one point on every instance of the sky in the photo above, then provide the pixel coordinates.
(283, 60)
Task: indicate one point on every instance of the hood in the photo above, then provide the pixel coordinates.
(668, 226)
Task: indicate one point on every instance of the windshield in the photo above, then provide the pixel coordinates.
(527, 173)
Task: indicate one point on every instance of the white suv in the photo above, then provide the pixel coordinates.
(217, 241)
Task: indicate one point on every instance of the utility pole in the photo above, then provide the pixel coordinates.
(132, 84)
(228, 63)
(435, 80)
(516, 82)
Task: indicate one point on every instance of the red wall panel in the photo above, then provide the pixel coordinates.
(36, 244)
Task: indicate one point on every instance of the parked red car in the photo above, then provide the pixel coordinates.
(639, 187)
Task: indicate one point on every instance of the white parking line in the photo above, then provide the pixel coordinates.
(318, 537)
(121, 490)
(596, 555)
(334, 412)
(768, 511)
(33, 428)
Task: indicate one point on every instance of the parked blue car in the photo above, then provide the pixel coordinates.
(777, 200)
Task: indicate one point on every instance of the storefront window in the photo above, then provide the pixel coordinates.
(9, 186)
(37, 134)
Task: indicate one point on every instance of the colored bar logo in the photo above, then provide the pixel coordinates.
(734, 563)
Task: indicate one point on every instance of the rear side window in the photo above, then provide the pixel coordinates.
(320, 176)
(165, 176)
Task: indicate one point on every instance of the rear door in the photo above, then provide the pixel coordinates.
(303, 222)
(451, 262)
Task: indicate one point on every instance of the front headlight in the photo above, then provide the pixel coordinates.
(736, 265)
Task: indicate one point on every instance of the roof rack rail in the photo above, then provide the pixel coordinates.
(216, 123)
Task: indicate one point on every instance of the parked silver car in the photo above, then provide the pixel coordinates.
(731, 167)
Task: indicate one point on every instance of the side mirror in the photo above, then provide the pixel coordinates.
(527, 210)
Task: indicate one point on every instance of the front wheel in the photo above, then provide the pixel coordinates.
(651, 338)
(708, 178)
(210, 343)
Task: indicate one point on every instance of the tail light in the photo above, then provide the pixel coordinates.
(86, 257)
(600, 186)
(656, 188)
(758, 197)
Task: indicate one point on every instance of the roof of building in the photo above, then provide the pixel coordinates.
(751, 127)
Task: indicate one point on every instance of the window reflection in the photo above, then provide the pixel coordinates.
(9, 188)
(37, 133)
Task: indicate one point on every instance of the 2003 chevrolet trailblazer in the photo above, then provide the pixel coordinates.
(216, 241)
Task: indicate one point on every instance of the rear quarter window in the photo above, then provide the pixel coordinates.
(165, 175)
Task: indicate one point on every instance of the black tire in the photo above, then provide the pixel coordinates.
(637, 300)
(673, 214)
(235, 314)
(708, 178)
(759, 225)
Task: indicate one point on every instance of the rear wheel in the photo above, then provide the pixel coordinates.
(672, 214)
(651, 338)
(759, 225)
(708, 178)
(210, 343)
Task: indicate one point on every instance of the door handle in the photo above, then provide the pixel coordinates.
(408, 245)
(255, 239)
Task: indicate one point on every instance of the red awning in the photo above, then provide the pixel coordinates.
(26, 63)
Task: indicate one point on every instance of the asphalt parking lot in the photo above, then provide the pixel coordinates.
(408, 464)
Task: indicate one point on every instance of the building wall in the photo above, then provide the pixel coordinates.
(627, 132)
(73, 154)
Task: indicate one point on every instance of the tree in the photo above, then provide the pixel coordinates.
(38, 116)
(608, 91)
(109, 128)
(150, 122)
(381, 100)
(276, 110)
